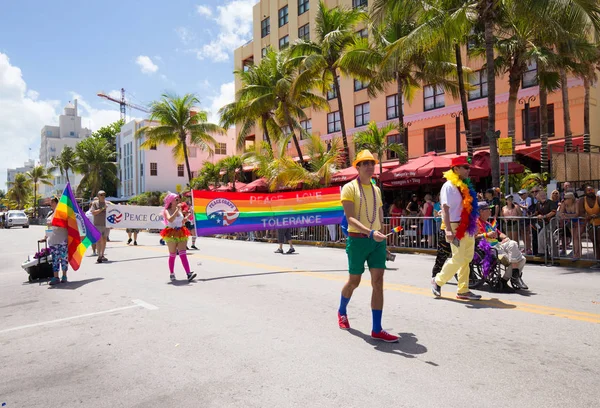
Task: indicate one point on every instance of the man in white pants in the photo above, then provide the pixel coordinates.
(508, 250)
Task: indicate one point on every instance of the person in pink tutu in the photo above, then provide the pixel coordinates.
(176, 234)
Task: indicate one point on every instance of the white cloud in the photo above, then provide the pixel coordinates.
(204, 11)
(115, 94)
(146, 64)
(234, 21)
(226, 95)
(22, 116)
(185, 35)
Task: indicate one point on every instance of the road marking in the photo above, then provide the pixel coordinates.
(138, 303)
(497, 303)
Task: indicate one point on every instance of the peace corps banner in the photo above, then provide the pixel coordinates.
(134, 216)
(222, 213)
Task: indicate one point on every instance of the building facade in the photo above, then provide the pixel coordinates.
(54, 139)
(431, 115)
(11, 173)
(155, 169)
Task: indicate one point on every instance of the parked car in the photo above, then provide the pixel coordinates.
(16, 218)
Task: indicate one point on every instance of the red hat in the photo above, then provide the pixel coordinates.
(460, 161)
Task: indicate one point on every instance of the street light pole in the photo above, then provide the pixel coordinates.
(456, 116)
(526, 101)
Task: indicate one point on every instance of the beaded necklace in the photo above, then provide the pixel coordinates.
(372, 219)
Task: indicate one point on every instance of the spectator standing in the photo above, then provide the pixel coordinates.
(545, 210)
(569, 225)
(492, 200)
(428, 227)
(99, 212)
(589, 208)
(510, 212)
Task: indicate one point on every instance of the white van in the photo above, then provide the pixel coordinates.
(16, 218)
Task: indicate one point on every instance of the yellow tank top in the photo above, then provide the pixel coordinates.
(595, 210)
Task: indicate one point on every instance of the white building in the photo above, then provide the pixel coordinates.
(142, 170)
(69, 132)
(11, 173)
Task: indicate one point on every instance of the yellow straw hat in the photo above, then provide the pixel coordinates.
(364, 155)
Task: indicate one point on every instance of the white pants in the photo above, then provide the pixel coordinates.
(332, 232)
(511, 249)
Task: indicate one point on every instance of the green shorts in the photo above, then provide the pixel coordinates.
(360, 250)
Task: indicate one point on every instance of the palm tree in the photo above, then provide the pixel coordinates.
(179, 125)
(334, 31)
(38, 174)
(233, 165)
(248, 109)
(65, 161)
(374, 139)
(19, 189)
(95, 160)
(209, 174)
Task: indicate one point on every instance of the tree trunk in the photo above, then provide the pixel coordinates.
(296, 143)
(514, 83)
(488, 16)
(544, 130)
(586, 115)
(336, 86)
(401, 126)
(185, 156)
(266, 131)
(463, 100)
(67, 175)
(34, 200)
(566, 113)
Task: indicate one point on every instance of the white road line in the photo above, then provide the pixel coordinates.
(138, 303)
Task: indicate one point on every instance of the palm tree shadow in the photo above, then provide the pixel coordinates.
(407, 346)
(493, 303)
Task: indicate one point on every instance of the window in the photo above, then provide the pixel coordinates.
(284, 42)
(72, 134)
(391, 104)
(48, 133)
(180, 170)
(154, 169)
(304, 32)
(398, 139)
(263, 52)
(283, 16)
(364, 33)
(530, 75)
(333, 122)
(361, 114)
(435, 139)
(535, 122)
(433, 97)
(360, 85)
(141, 169)
(247, 63)
(153, 147)
(221, 148)
(332, 93)
(265, 27)
(359, 3)
(306, 126)
(479, 129)
(478, 79)
(303, 6)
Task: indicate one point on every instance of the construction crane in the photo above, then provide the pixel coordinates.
(123, 103)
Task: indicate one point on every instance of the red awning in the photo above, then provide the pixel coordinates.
(535, 150)
(258, 185)
(229, 187)
(425, 168)
(482, 159)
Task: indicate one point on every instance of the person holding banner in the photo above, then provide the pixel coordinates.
(190, 221)
(363, 208)
(176, 234)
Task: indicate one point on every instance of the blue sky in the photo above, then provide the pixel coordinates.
(54, 51)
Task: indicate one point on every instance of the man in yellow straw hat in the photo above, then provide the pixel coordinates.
(363, 208)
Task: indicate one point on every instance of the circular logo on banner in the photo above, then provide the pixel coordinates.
(222, 212)
(114, 216)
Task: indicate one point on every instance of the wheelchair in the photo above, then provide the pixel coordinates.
(494, 278)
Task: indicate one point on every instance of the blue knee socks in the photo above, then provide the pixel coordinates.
(376, 320)
(343, 303)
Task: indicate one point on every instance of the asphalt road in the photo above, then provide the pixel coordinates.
(257, 329)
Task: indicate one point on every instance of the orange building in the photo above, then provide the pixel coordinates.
(431, 116)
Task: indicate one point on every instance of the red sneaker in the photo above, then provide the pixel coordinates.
(343, 321)
(385, 336)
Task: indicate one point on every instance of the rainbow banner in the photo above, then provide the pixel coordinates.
(222, 213)
(68, 215)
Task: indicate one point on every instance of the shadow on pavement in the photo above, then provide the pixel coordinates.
(139, 259)
(268, 273)
(493, 303)
(73, 285)
(407, 346)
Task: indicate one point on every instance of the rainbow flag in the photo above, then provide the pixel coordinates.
(222, 213)
(68, 215)
(398, 229)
